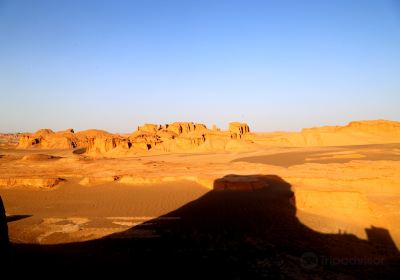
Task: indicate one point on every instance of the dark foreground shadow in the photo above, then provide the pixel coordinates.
(244, 229)
(4, 242)
(14, 218)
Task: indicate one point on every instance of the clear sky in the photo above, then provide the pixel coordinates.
(278, 65)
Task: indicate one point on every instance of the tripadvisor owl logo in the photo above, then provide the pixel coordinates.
(309, 260)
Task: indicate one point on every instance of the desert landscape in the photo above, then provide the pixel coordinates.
(324, 192)
(187, 139)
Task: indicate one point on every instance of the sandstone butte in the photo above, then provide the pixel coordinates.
(192, 137)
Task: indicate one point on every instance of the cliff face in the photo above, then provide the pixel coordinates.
(104, 144)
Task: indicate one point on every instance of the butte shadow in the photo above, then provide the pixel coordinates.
(245, 228)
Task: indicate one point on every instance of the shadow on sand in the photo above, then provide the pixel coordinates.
(247, 231)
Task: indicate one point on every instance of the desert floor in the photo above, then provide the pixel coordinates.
(338, 190)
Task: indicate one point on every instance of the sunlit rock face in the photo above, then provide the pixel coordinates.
(148, 138)
(68, 139)
(237, 129)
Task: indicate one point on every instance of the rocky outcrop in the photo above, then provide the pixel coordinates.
(104, 144)
(174, 137)
(67, 139)
(171, 130)
(237, 130)
(9, 138)
(185, 127)
(48, 139)
(140, 137)
(30, 182)
(148, 128)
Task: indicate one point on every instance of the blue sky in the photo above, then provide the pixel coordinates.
(278, 65)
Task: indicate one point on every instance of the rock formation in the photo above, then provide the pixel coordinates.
(68, 139)
(237, 130)
(150, 128)
(106, 143)
(9, 139)
(192, 137)
(48, 139)
(39, 182)
(174, 137)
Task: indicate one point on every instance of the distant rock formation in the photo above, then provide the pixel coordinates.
(9, 139)
(237, 130)
(38, 182)
(192, 137)
(68, 139)
(148, 128)
(174, 137)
